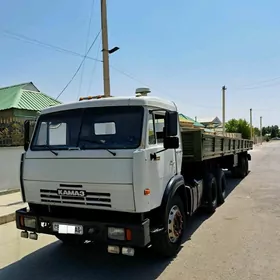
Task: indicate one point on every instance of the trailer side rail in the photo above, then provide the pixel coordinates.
(199, 146)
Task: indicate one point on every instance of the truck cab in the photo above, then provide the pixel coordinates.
(103, 148)
(99, 155)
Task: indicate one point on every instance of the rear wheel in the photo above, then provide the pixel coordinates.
(241, 171)
(246, 166)
(210, 193)
(168, 242)
(221, 185)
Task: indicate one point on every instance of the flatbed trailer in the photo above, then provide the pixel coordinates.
(200, 146)
(205, 152)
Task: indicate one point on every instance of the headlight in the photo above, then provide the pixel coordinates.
(29, 222)
(116, 233)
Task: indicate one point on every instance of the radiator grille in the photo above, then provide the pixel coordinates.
(91, 198)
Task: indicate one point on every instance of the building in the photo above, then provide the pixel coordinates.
(211, 122)
(23, 101)
(189, 122)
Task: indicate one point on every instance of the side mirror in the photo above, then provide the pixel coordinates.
(26, 135)
(171, 123)
(171, 143)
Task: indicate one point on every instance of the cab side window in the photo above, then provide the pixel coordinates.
(159, 127)
(156, 128)
(151, 129)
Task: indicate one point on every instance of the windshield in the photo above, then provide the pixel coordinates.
(90, 128)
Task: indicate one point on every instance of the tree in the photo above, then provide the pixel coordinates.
(239, 126)
(257, 132)
(272, 130)
(264, 131)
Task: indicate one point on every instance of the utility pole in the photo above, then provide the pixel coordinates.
(261, 129)
(251, 125)
(224, 107)
(105, 49)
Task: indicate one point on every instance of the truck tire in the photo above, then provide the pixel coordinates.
(167, 243)
(221, 185)
(70, 240)
(241, 171)
(247, 166)
(211, 193)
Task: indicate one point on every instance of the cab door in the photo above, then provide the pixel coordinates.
(161, 167)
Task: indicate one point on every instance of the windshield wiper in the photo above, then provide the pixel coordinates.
(98, 142)
(50, 149)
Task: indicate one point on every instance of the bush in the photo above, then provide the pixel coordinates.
(239, 126)
(11, 133)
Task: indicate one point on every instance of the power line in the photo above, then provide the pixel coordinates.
(128, 75)
(87, 41)
(30, 40)
(26, 39)
(160, 91)
(78, 69)
(266, 110)
(260, 87)
(260, 82)
(133, 78)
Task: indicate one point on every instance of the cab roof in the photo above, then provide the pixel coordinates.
(114, 101)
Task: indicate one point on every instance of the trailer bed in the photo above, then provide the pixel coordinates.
(200, 146)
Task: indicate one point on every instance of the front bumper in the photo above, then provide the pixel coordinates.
(92, 230)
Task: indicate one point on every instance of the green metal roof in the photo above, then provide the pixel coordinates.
(19, 98)
(192, 120)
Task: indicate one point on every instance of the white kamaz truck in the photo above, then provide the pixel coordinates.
(121, 171)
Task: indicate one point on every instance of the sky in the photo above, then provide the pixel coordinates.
(182, 50)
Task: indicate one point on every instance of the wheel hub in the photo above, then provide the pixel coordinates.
(175, 224)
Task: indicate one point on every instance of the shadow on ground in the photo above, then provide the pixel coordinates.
(232, 183)
(90, 262)
(197, 220)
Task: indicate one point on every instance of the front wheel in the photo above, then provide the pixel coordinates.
(168, 242)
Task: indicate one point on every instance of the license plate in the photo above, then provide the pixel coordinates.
(68, 229)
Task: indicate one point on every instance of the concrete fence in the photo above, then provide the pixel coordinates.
(258, 139)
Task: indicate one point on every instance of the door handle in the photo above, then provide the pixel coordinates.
(172, 162)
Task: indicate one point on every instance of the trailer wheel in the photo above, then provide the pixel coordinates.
(222, 186)
(211, 193)
(167, 243)
(70, 240)
(241, 171)
(247, 165)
